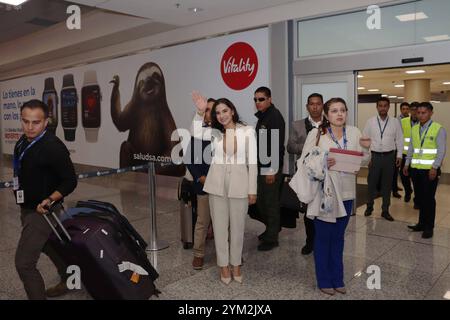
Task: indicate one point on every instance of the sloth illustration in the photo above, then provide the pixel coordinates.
(148, 118)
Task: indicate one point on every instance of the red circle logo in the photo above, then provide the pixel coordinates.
(239, 65)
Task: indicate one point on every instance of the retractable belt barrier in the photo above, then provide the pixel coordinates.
(154, 244)
(101, 173)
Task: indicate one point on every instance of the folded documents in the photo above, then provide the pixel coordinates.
(346, 160)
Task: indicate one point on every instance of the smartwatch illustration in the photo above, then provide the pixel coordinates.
(50, 98)
(90, 105)
(69, 110)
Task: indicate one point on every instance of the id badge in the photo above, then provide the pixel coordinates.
(15, 183)
(20, 197)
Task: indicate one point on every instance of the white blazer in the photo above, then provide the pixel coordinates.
(242, 165)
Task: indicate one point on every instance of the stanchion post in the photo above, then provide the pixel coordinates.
(154, 244)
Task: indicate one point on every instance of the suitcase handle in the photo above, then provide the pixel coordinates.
(51, 210)
(179, 190)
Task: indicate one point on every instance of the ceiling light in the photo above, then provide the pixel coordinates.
(411, 16)
(373, 90)
(195, 10)
(434, 101)
(446, 82)
(360, 76)
(440, 37)
(361, 88)
(13, 2)
(399, 86)
(384, 95)
(400, 97)
(415, 71)
(392, 97)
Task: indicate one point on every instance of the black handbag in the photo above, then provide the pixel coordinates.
(254, 213)
(289, 199)
(186, 191)
(288, 217)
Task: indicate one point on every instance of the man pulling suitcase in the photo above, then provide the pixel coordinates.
(43, 173)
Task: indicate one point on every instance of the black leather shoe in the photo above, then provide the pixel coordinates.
(307, 249)
(266, 246)
(368, 212)
(261, 236)
(407, 197)
(427, 234)
(396, 195)
(387, 216)
(416, 228)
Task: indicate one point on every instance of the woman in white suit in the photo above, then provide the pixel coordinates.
(231, 181)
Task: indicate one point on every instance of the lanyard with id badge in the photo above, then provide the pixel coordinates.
(20, 197)
(382, 131)
(344, 136)
(422, 138)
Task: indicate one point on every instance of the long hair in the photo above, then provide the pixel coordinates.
(326, 108)
(214, 122)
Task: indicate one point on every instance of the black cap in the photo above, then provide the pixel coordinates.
(69, 134)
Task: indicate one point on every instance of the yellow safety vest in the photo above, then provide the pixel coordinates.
(424, 156)
(406, 127)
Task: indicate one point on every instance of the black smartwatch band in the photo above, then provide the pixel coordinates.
(49, 84)
(68, 81)
(69, 134)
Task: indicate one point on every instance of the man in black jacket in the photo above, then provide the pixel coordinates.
(270, 166)
(43, 173)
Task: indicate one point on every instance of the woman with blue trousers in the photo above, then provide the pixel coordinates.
(330, 224)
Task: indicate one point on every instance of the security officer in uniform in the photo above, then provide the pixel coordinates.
(425, 155)
(407, 124)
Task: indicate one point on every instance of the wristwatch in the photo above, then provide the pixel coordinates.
(90, 105)
(50, 98)
(69, 112)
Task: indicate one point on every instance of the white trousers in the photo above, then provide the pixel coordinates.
(228, 218)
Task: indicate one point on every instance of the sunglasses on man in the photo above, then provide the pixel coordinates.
(259, 99)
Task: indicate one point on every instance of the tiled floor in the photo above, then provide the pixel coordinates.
(410, 267)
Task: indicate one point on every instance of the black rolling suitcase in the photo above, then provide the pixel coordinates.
(110, 254)
(188, 212)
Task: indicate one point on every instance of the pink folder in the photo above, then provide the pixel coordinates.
(346, 160)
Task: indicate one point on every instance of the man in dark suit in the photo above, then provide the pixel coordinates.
(270, 173)
(297, 136)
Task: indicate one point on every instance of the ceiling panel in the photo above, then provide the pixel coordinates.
(177, 12)
(17, 22)
(385, 80)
